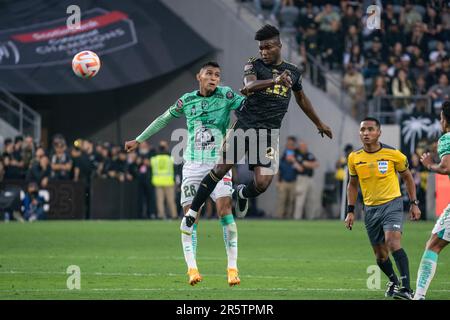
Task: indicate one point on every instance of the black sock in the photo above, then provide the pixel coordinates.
(401, 260)
(251, 191)
(204, 190)
(386, 267)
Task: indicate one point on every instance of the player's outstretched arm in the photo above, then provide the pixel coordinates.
(442, 168)
(307, 108)
(352, 194)
(252, 84)
(153, 128)
(411, 189)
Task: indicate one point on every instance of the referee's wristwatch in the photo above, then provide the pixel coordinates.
(414, 202)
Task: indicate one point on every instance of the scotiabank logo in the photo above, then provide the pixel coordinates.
(53, 42)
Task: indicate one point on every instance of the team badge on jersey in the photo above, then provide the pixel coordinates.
(179, 106)
(230, 95)
(382, 166)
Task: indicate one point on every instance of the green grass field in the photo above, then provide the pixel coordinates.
(144, 260)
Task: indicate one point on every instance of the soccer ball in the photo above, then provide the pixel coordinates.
(86, 64)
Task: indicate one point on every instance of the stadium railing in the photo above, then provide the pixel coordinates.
(389, 109)
(20, 116)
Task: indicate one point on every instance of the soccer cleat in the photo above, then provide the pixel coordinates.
(241, 207)
(233, 277)
(391, 289)
(194, 276)
(403, 294)
(187, 225)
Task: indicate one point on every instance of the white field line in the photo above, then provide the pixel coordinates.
(169, 274)
(203, 289)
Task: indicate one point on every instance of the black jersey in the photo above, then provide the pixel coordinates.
(266, 108)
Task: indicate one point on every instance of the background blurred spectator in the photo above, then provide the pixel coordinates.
(353, 82)
(61, 163)
(287, 176)
(33, 203)
(305, 164)
(163, 178)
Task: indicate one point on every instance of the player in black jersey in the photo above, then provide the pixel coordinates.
(268, 84)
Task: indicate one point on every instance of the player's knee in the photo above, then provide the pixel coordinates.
(261, 184)
(393, 244)
(220, 171)
(224, 208)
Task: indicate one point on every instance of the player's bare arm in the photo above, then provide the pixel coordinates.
(411, 189)
(307, 108)
(252, 84)
(442, 167)
(352, 194)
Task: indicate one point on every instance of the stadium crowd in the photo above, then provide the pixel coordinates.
(408, 56)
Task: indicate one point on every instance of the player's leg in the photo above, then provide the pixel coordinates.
(376, 236)
(207, 186)
(230, 237)
(439, 240)
(393, 216)
(192, 174)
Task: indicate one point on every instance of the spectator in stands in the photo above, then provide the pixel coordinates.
(432, 23)
(28, 149)
(374, 56)
(287, 176)
(326, 18)
(409, 17)
(439, 53)
(2, 169)
(402, 89)
(306, 163)
(276, 4)
(40, 172)
(352, 38)
(87, 147)
(440, 92)
(305, 18)
(61, 163)
(332, 46)
(353, 83)
(396, 53)
(82, 166)
(163, 179)
(432, 76)
(12, 159)
(33, 203)
(119, 168)
(132, 166)
(105, 162)
(418, 38)
(349, 19)
(390, 18)
(355, 57)
(420, 87)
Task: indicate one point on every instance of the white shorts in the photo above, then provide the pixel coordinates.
(193, 174)
(442, 226)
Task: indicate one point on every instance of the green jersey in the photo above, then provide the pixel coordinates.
(208, 119)
(444, 145)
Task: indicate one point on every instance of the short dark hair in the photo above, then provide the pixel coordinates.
(267, 32)
(210, 64)
(372, 119)
(446, 110)
(293, 138)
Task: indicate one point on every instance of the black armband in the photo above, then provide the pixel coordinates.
(350, 209)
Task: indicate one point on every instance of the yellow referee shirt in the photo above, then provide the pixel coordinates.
(377, 173)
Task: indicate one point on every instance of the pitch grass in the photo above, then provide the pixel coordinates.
(144, 260)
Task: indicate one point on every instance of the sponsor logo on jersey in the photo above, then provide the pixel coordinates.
(382, 166)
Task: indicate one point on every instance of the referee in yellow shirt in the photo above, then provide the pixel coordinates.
(375, 167)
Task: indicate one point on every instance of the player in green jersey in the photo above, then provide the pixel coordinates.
(440, 236)
(207, 113)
